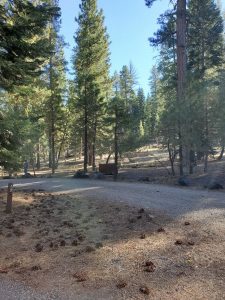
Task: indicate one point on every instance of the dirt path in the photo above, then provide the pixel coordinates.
(188, 271)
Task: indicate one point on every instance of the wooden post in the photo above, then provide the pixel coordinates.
(9, 198)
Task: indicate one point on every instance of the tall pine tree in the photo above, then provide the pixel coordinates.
(91, 64)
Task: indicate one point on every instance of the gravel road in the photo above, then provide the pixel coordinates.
(173, 201)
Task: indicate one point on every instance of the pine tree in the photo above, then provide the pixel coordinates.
(181, 30)
(205, 56)
(91, 64)
(117, 116)
(204, 48)
(152, 104)
(140, 100)
(56, 83)
(23, 46)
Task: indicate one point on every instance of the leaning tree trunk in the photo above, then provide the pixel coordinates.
(181, 29)
(221, 154)
(108, 158)
(61, 146)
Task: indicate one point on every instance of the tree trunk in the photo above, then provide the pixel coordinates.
(38, 162)
(181, 158)
(192, 161)
(51, 111)
(221, 153)
(206, 138)
(116, 142)
(50, 151)
(94, 147)
(85, 139)
(90, 155)
(53, 144)
(81, 148)
(171, 158)
(181, 29)
(61, 146)
(108, 158)
(206, 161)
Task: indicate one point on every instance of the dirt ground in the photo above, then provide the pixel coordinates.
(148, 164)
(151, 164)
(91, 249)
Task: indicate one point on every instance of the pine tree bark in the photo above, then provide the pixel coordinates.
(53, 140)
(38, 162)
(181, 29)
(116, 142)
(50, 149)
(192, 161)
(206, 157)
(85, 138)
(94, 147)
(51, 113)
(171, 158)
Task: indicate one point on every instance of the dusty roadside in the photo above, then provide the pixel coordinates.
(90, 248)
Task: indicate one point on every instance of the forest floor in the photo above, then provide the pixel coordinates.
(149, 165)
(71, 246)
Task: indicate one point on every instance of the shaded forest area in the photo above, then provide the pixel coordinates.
(46, 117)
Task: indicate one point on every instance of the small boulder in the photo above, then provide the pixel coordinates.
(144, 179)
(81, 175)
(183, 181)
(215, 186)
